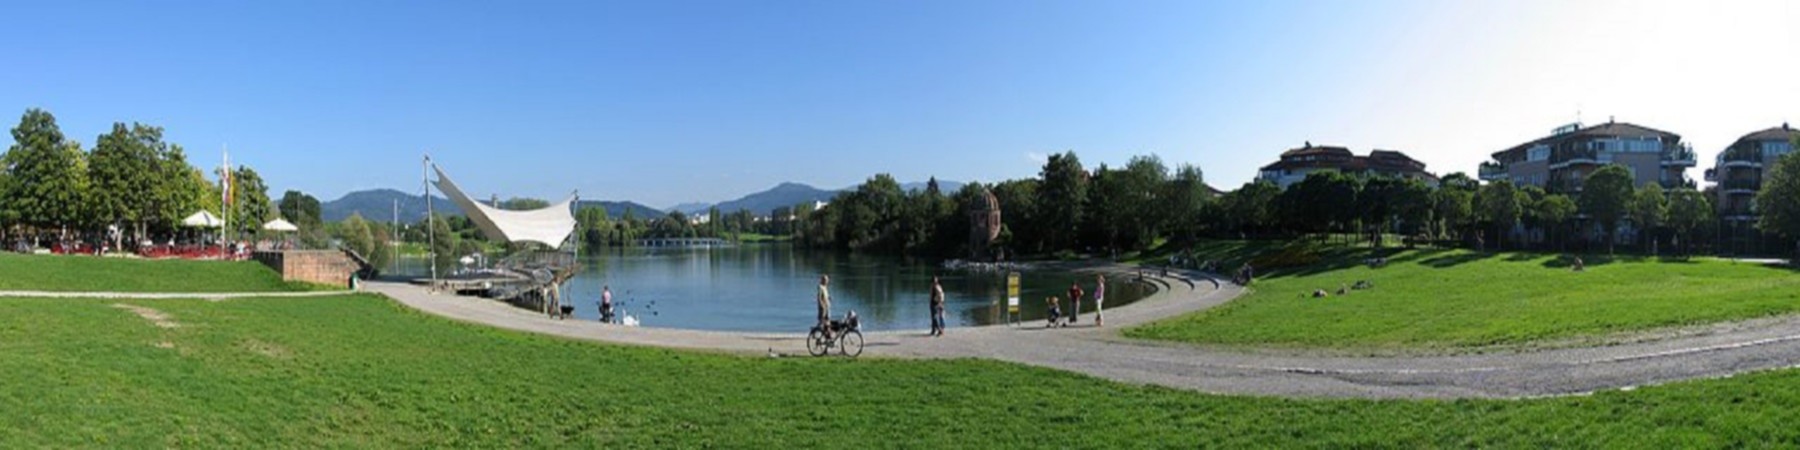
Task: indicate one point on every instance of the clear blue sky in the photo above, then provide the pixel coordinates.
(667, 102)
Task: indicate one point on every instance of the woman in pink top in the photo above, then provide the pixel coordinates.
(1099, 300)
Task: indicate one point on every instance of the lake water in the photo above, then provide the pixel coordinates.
(771, 288)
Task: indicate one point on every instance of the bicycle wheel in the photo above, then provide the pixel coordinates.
(815, 342)
(851, 343)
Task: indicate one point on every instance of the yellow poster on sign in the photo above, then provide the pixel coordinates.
(1012, 292)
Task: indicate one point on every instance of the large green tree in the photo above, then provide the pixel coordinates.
(9, 214)
(1317, 203)
(445, 245)
(1689, 211)
(1649, 209)
(1778, 203)
(1552, 211)
(366, 238)
(183, 189)
(1022, 229)
(1124, 212)
(300, 208)
(1186, 203)
(49, 174)
(1386, 202)
(1606, 197)
(125, 178)
(1250, 209)
(1453, 204)
(250, 205)
(1499, 204)
(1062, 199)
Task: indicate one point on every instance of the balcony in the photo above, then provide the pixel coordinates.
(1565, 158)
(1679, 157)
(1712, 174)
(1741, 185)
(1738, 212)
(1565, 186)
(1742, 154)
(1491, 171)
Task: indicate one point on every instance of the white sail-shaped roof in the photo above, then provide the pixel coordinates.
(549, 225)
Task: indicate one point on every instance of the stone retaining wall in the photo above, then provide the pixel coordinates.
(327, 267)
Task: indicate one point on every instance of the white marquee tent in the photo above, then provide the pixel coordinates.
(550, 225)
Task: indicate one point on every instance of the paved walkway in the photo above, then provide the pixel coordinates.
(1101, 352)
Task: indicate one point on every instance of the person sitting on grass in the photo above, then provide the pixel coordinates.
(1578, 266)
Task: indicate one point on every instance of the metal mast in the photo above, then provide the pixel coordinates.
(430, 222)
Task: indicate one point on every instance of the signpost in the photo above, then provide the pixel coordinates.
(1012, 298)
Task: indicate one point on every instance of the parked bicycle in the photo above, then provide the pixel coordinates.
(844, 335)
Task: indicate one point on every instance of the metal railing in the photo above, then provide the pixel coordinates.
(1741, 183)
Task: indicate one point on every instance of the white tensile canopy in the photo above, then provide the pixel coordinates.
(202, 219)
(550, 225)
(280, 225)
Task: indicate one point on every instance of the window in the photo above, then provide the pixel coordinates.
(1539, 152)
(1773, 149)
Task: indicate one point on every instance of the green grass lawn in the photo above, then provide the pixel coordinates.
(361, 371)
(1462, 299)
(96, 274)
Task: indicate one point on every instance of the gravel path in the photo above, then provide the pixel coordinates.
(1723, 351)
(1101, 352)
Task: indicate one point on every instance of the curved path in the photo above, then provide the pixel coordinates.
(1102, 352)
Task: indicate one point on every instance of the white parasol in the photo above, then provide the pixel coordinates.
(202, 219)
(280, 225)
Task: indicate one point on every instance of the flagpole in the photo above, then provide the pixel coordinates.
(224, 196)
(430, 220)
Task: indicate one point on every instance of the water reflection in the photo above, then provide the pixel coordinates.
(772, 288)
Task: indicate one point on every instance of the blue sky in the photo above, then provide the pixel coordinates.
(667, 102)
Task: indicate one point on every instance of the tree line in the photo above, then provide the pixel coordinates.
(1070, 210)
(1066, 209)
(50, 187)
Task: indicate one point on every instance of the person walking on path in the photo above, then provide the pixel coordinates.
(937, 308)
(1099, 300)
(1075, 300)
(606, 304)
(825, 304)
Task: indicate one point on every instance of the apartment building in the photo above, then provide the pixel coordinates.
(1559, 162)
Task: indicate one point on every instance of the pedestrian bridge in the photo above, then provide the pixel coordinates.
(684, 242)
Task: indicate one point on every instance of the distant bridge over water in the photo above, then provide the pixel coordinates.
(684, 242)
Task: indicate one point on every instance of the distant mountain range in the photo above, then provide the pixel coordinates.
(790, 194)
(378, 205)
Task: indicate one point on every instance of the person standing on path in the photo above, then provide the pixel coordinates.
(825, 304)
(606, 304)
(1075, 300)
(937, 308)
(1099, 300)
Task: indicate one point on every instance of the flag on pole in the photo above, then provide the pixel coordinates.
(225, 187)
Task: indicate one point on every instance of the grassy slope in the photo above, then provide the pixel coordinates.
(361, 372)
(1463, 299)
(86, 273)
